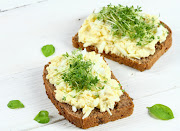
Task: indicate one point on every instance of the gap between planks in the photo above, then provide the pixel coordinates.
(72, 126)
(21, 6)
(28, 74)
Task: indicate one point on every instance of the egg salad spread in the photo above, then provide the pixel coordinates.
(122, 31)
(83, 80)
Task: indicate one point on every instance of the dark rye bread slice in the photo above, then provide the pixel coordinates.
(122, 109)
(139, 64)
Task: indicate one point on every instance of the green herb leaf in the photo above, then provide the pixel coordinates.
(66, 55)
(79, 48)
(102, 87)
(123, 90)
(42, 117)
(105, 81)
(48, 50)
(161, 112)
(15, 104)
(97, 95)
(64, 98)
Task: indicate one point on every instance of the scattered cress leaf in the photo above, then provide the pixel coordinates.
(64, 98)
(160, 111)
(15, 104)
(42, 117)
(48, 50)
(123, 90)
(97, 95)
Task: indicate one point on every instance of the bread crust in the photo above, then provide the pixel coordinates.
(122, 109)
(139, 64)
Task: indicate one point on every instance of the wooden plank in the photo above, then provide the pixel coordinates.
(28, 87)
(7, 5)
(140, 120)
(25, 30)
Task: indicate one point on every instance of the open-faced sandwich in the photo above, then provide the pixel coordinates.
(84, 90)
(126, 35)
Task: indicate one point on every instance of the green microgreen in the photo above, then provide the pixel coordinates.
(64, 98)
(66, 55)
(127, 21)
(73, 96)
(162, 24)
(78, 75)
(97, 95)
(79, 48)
(123, 90)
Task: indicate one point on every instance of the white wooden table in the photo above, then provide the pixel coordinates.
(27, 25)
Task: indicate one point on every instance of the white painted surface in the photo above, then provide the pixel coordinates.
(6, 5)
(23, 31)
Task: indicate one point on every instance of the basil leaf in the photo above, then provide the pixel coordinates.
(161, 112)
(42, 117)
(15, 104)
(48, 50)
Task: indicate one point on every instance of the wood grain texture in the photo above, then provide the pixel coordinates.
(140, 120)
(25, 30)
(8, 5)
(27, 87)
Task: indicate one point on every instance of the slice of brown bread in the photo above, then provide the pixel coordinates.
(139, 64)
(122, 109)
